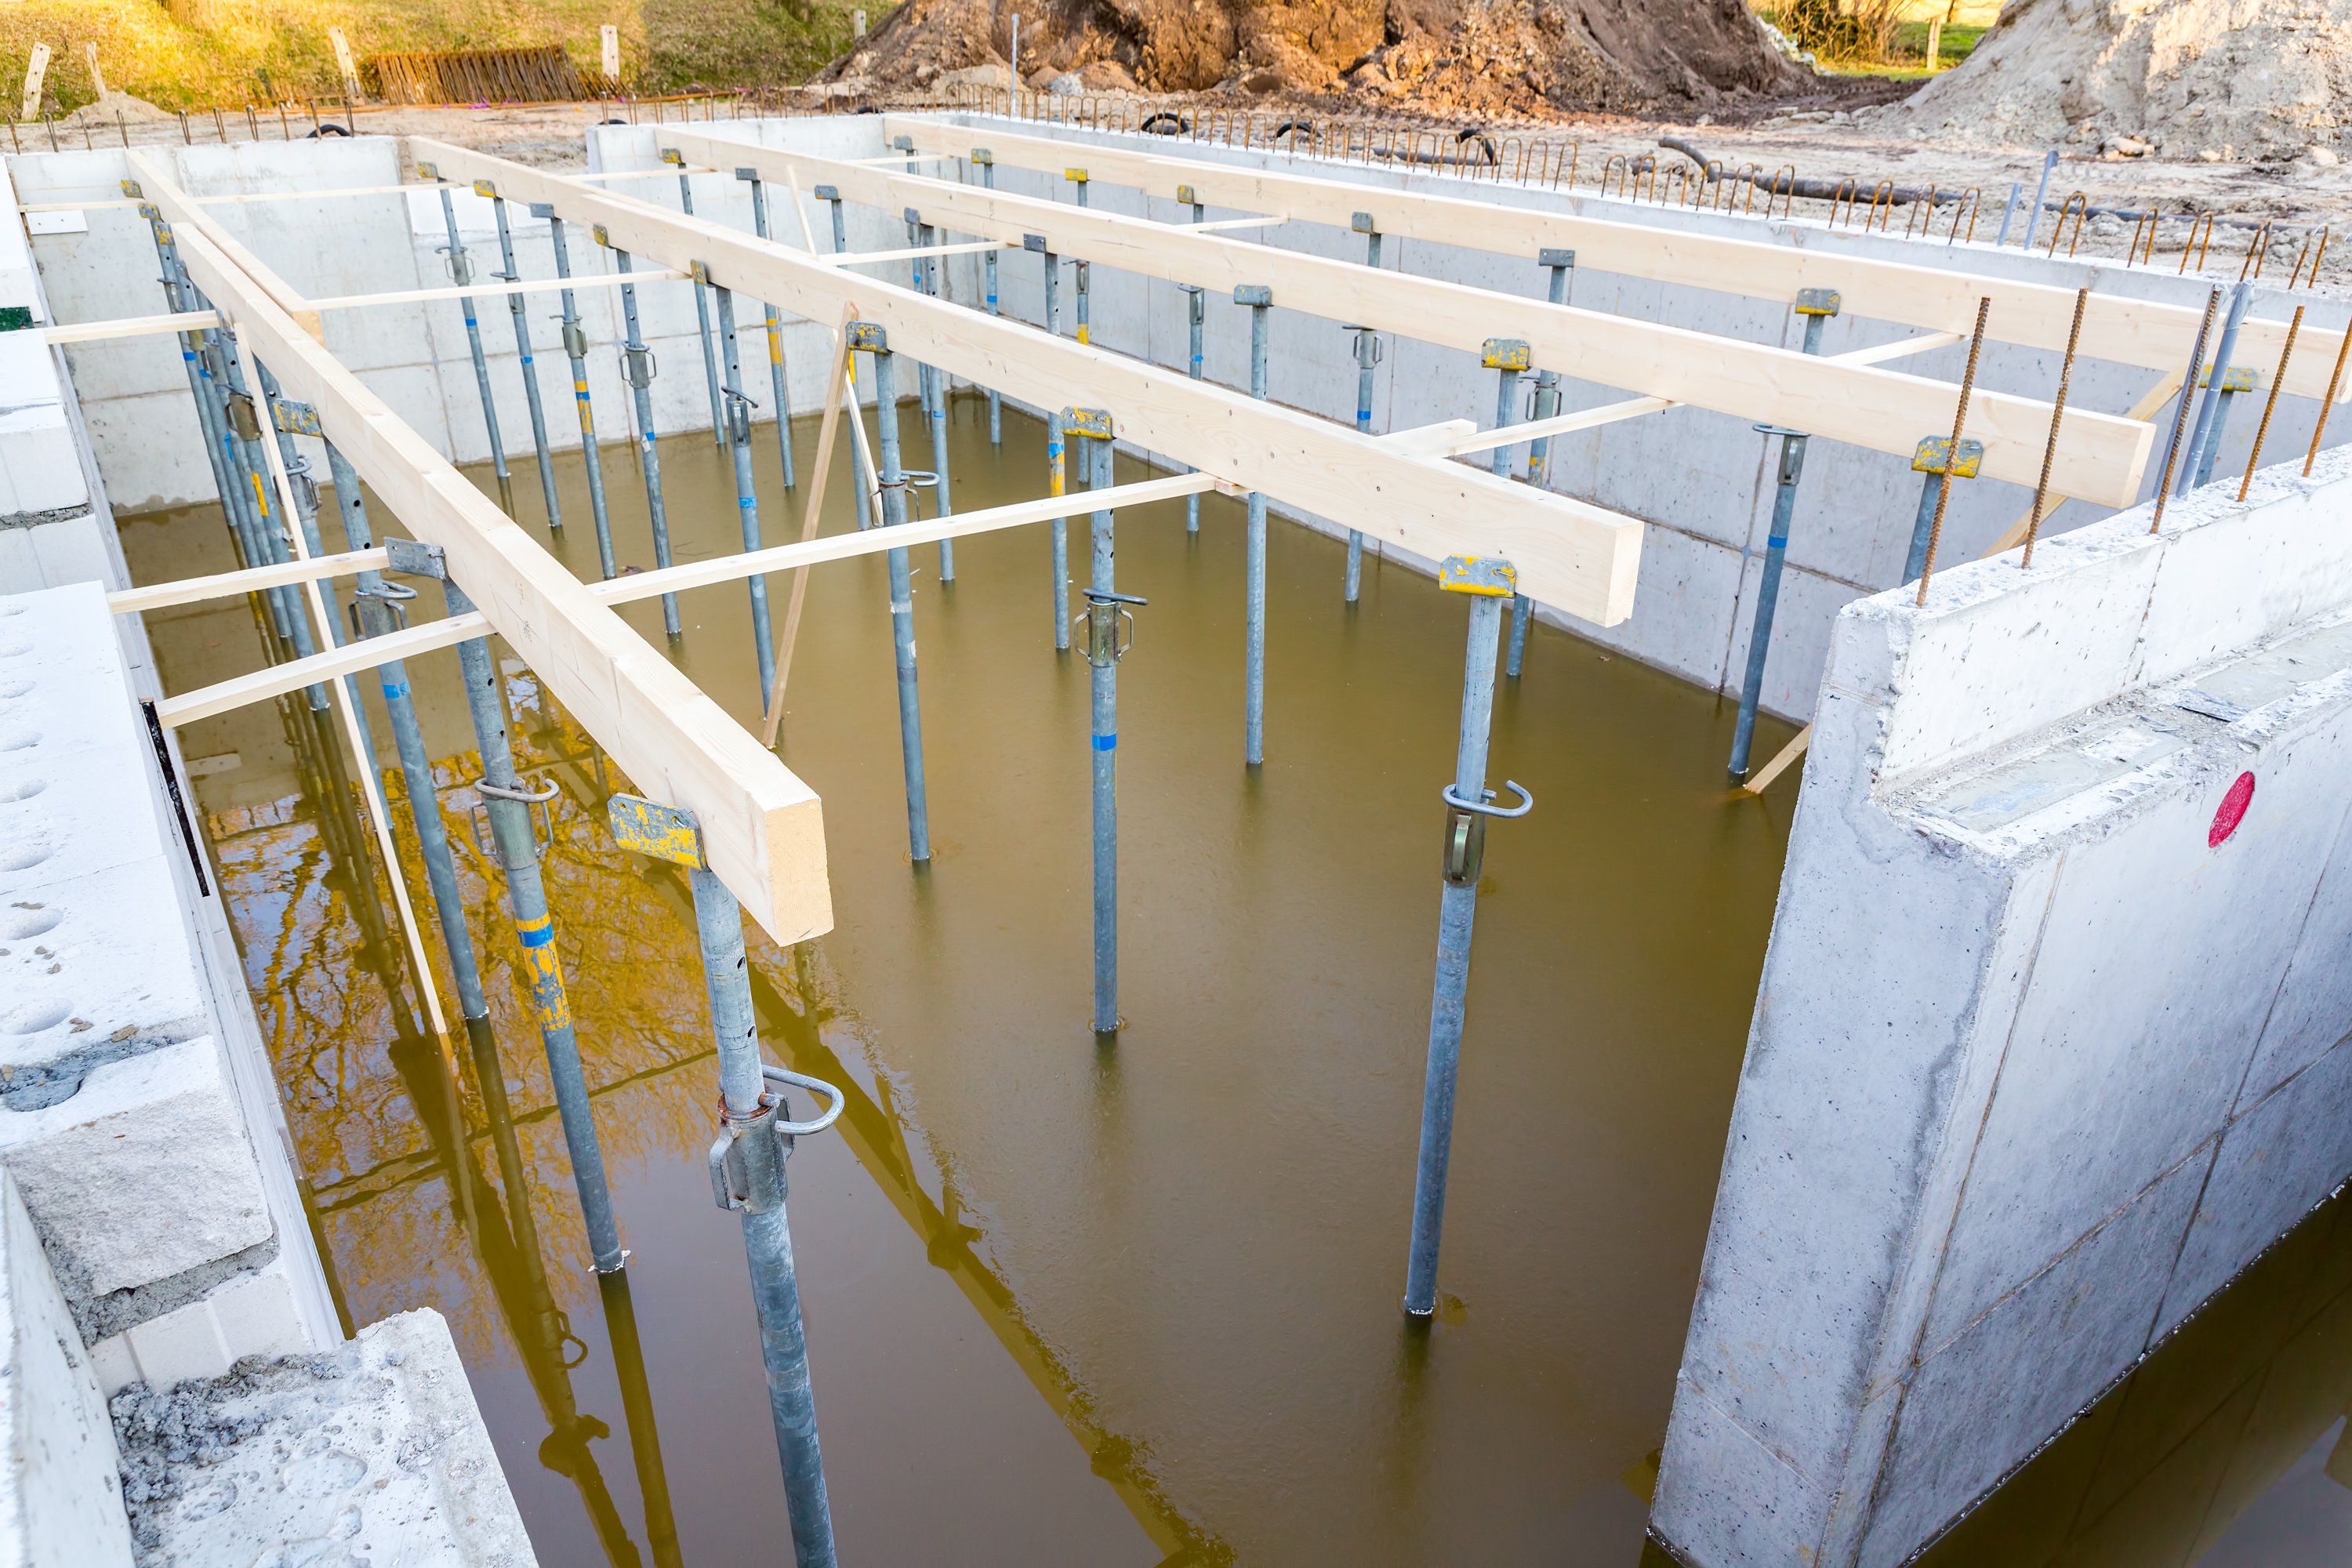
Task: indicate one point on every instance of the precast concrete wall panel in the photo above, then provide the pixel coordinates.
(2052, 1034)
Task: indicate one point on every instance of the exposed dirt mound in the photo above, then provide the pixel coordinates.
(1478, 56)
(2240, 80)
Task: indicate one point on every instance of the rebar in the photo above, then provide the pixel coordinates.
(2270, 405)
(1959, 423)
(2057, 416)
(2181, 413)
(2335, 379)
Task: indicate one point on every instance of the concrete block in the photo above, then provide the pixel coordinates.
(144, 1184)
(372, 1453)
(1965, 1191)
(60, 1493)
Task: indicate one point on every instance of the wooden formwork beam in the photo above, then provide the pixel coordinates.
(1570, 554)
(2099, 456)
(2122, 330)
(763, 828)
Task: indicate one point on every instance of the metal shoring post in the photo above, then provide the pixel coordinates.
(1197, 311)
(1057, 476)
(1508, 359)
(1562, 264)
(1816, 306)
(1767, 595)
(2041, 194)
(747, 495)
(1106, 609)
(1368, 354)
(1932, 459)
(241, 497)
(987, 161)
(747, 1161)
(246, 420)
(461, 272)
(831, 196)
(1259, 297)
(2205, 441)
(509, 811)
(637, 366)
(575, 349)
(287, 419)
(775, 324)
(1078, 177)
(523, 350)
(701, 308)
(934, 398)
(179, 296)
(374, 605)
(2235, 379)
(871, 336)
(1487, 581)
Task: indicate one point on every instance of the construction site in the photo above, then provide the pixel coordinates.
(1441, 786)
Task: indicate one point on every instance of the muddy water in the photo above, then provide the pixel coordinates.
(1066, 1303)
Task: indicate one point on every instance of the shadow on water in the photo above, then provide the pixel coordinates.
(1131, 1301)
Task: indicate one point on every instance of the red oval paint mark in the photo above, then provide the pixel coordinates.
(2232, 812)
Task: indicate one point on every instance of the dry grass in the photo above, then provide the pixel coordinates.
(198, 53)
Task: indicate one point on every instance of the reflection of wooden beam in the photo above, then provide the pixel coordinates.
(2099, 455)
(1575, 556)
(2126, 332)
(762, 826)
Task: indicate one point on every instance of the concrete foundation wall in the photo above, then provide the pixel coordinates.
(2053, 1034)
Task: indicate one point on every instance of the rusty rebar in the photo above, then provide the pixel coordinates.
(2335, 379)
(2057, 415)
(2180, 416)
(2270, 404)
(1959, 423)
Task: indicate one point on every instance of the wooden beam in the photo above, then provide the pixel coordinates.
(495, 291)
(2099, 455)
(2123, 331)
(763, 826)
(128, 327)
(261, 685)
(228, 584)
(1577, 557)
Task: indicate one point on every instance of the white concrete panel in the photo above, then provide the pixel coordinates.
(60, 1496)
(1959, 1175)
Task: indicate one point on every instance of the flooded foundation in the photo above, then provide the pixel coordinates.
(1935, 1157)
(1070, 1301)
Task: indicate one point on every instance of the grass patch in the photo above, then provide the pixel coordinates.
(198, 53)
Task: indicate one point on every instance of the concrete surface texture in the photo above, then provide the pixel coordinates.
(125, 1120)
(2051, 1039)
(60, 1492)
(372, 1453)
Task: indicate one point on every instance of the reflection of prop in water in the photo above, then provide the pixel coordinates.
(506, 1239)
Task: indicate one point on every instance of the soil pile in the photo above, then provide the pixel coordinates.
(2255, 81)
(1448, 56)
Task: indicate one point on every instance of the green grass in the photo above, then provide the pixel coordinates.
(1907, 60)
(200, 53)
